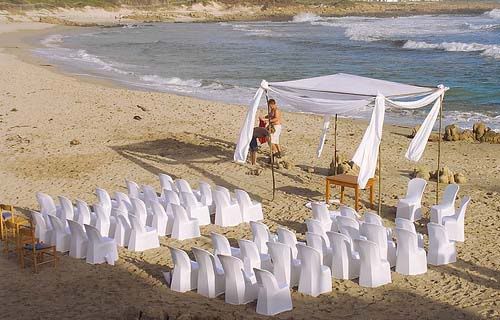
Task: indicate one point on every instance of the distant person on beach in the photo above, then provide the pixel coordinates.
(274, 119)
(258, 133)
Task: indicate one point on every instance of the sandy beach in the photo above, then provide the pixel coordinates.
(42, 110)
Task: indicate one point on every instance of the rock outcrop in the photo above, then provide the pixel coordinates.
(480, 132)
(445, 175)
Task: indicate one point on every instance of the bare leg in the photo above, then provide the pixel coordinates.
(253, 157)
(274, 147)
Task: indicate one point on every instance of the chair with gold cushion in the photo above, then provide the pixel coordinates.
(30, 248)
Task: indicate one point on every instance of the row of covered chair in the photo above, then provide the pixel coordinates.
(54, 223)
(229, 209)
(136, 219)
(341, 234)
(80, 241)
(444, 213)
(243, 274)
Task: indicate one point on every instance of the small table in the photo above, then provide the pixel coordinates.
(345, 180)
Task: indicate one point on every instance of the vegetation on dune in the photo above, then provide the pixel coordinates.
(114, 3)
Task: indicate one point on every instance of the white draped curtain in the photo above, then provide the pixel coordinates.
(313, 96)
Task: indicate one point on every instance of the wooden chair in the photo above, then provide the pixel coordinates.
(10, 237)
(6, 212)
(30, 248)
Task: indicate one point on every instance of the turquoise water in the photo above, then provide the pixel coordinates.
(227, 61)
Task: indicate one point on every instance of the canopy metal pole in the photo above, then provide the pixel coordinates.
(335, 150)
(439, 148)
(379, 179)
(270, 144)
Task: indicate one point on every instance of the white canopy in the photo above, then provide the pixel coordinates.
(347, 95)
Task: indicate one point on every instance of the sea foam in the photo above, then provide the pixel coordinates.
(306, 17)
(174, 81)
(489, 50)
(495, 14)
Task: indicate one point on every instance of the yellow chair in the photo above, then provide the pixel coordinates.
(30, 248)
(10, 237)
(6, 212)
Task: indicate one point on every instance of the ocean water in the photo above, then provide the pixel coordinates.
(227, 61)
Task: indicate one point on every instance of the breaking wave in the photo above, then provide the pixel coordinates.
(53, 41)
(306, 17)
(251, 30)
(495, 14)
(174, 81)
(488, 50)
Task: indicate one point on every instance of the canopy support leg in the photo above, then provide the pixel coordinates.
(379, 179)
(271, 145)
(335, 147)
(439, 149)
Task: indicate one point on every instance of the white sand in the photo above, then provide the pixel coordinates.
(52, 109)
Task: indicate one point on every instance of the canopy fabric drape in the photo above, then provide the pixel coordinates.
(347, 95)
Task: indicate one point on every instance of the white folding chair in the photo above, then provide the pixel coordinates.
(47, 204)
(183, 227)
(441, 248)
(239, 288)
(100, 249)
(446, 206)
(315, 226)
(195, 209)
(378, 234)
(251, 257)
(346, 211)
(345, 261)
(454, 224)
(289, 238)
(410, 207)
(406, 224)
(273, 297)
(142, 237)
(61, 236)
(206, 197)
(321, 213)
(67, 210)
(140, 210)
(315, 278)
(227, 214)
(122, 231)
(160, 219)
(317, 242)
(42, 231)
(133, 190)
(79, 240)
(285, 268)
(374, 271)
(250, 210)
(184, 275)
(261, 235)
(411, 259)
(102, 220)
(84, 214)
(211, 279)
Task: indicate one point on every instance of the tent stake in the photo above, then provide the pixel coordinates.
(271, 145)
(439, 149)
(335, 151)
(379, 179)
